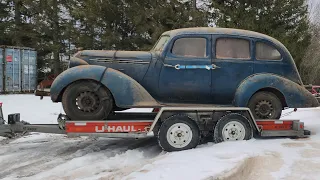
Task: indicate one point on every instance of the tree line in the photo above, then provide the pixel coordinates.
(55, 27)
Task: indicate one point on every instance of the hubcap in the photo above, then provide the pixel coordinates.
(87, 101)
(264, 109)
(233, 131)
(179, 135)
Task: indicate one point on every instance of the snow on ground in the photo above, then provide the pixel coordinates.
(49, 156)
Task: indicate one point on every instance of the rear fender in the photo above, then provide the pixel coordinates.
(295, 95)
(127, 92)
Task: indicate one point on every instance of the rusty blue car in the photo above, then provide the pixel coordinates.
(201, 66)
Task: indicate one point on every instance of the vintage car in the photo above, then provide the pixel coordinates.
(200, 66)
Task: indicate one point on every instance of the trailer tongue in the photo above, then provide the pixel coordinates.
(176, 128)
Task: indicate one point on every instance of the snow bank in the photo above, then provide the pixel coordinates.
(31, 108)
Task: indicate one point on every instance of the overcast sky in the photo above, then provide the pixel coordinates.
(312, 5)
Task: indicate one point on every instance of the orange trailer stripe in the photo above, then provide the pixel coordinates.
(275, 125)
(105, 127)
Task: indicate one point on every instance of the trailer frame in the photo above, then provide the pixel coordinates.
(201, 122)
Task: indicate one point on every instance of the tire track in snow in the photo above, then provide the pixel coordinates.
(252, 168)
(30, 158)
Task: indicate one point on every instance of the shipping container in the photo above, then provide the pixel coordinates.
(19, 69)
(1, 70)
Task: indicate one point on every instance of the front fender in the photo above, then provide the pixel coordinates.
(127, 92)
(295, 95)
(70, 75)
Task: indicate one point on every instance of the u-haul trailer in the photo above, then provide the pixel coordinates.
(176, 128)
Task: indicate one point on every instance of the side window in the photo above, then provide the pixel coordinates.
(190, 47)
(266, 52)
(232, 48)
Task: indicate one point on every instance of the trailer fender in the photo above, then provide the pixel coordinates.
(127, 92)
(294, 95)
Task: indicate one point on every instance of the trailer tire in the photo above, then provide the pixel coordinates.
(87, 100)
(178, 133)
(232, 127)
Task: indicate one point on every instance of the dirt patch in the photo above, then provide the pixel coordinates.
(258, 167)
(314, 145)
(293, 144)
(144, 171)
(310, 153)
(303, 139)
(304, 169)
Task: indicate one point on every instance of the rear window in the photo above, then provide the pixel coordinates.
(266, 52)
(190, 47)
(232, 48)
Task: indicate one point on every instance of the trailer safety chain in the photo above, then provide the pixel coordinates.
(288, 113)
(62, 121)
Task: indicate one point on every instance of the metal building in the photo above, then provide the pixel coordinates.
(18, 69)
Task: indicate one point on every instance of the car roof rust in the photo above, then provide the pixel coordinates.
(226, 31)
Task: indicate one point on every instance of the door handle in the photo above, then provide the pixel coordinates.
(208, 67)
(215, 66)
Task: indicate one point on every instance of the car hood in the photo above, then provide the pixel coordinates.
(132, 63)
(94, 56)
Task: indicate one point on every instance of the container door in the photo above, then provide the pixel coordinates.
(1, 71)
(13, 70)
(25, 70)
(32, 70)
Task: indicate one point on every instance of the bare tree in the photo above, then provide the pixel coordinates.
(310, 66)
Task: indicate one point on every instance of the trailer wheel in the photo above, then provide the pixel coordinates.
(232, 127)
(87, 100)
(178, 133)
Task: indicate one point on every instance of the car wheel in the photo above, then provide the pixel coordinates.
(232, 127)
(178, 133)
(265, 105)
(87, 100)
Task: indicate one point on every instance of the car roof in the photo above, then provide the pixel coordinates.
(227, 31)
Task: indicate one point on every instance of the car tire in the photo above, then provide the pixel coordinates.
(87, 100)
(232, 127)
(265, 105)
(178, 133)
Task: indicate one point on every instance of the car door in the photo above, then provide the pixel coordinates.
(186, 75)
(233, 56)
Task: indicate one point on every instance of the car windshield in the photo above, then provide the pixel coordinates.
(161, 43)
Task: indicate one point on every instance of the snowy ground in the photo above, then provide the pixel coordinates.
(47, 156)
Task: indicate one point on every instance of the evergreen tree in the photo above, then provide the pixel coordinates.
(129, 25)
(50, 23)
(16, 28)
(285, 20)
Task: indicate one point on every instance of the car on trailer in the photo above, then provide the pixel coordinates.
(186, 67)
